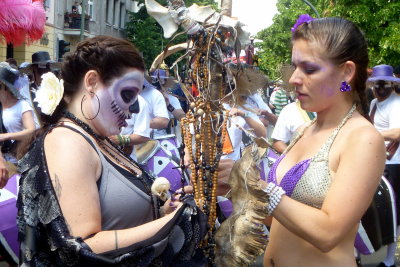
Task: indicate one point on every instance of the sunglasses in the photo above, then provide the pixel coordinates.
(383, 84)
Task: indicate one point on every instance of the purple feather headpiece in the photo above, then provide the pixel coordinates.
(304, 18)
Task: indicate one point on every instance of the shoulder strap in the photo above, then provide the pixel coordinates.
(324, 151)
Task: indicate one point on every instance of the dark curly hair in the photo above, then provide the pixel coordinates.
(107, 55)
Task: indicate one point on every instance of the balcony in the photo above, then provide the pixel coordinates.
(72, 21)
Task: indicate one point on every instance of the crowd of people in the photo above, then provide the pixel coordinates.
(90, 146)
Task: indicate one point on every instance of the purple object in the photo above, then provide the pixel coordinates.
(345, 87)
(8, 218)
(384, 73)
(165, 163)
(291, 178)
(304, 18)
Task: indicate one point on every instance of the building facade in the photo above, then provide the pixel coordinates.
(102, 17)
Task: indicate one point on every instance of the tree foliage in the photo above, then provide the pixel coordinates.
(147, 34)
(379, 19)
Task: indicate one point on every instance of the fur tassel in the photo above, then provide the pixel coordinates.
(241, 238)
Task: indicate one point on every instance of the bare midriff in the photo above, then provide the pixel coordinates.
(285, 249)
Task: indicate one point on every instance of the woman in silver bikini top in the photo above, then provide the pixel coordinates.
(309, 180)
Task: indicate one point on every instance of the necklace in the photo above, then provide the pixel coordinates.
(114, 151)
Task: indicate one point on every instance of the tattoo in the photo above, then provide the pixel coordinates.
(272, 262)
(57, 186)
(116, 239)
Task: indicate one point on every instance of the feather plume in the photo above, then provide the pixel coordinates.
(22, 20)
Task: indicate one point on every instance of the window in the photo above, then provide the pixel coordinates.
(109, 11)
(122, 14)
(46, 4)
(116, 10)
(90, 11)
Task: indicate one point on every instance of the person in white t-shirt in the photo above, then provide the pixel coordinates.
(159, 117)
(138, 130)
(17, 114)
(384, 114)
(263, 111)
(290, 119)
(241, 119)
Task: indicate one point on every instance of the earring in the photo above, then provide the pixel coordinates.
(98, 110)
(345, 87)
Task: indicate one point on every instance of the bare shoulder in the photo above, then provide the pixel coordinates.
(362, 131)
(65, 148)
(362, 143)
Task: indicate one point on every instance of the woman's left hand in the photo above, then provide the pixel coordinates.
(174, 202)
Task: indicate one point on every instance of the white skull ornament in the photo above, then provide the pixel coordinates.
(160, 187)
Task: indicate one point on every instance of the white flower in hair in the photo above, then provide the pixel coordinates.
(50, 93)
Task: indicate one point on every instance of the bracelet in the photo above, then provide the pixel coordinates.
(116, 239)
(124, 140)
(275, 194)
(246, 114)
(170, 108)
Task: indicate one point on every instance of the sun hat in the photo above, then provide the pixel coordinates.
(9, 76)
(384, 73)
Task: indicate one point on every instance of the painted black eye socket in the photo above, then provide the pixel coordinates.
(127, 95)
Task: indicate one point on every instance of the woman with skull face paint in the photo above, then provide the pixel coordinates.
(82, 202)
(325, 180)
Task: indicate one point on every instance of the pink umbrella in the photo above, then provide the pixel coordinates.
(22, 20)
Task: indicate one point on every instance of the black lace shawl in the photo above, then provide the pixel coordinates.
(46, 241)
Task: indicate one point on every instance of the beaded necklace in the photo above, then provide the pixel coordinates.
(205, 126)
(113, 150)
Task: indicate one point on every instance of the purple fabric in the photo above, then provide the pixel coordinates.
(291, 178)
(272, 155)
(226, 207)
(8, 218)
(360, 245)
(264, 169)
(162, 165)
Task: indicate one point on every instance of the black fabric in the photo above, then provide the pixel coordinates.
(378, 219)
(46, 241)
(6, 256)
(392, 174)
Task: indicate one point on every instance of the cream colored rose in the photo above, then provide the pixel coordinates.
(50, 93)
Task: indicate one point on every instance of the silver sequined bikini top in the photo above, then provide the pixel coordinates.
(314, 183)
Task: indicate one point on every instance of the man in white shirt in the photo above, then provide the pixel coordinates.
(384, 114)
(138, 127)
(291, 117)
(241, 119)
(159, 117)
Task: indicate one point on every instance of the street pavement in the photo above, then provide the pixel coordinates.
(367, 261)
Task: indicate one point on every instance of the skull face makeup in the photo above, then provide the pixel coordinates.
(114, 101)
(382, 89)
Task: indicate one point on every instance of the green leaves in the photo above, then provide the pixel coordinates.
(379, 19)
